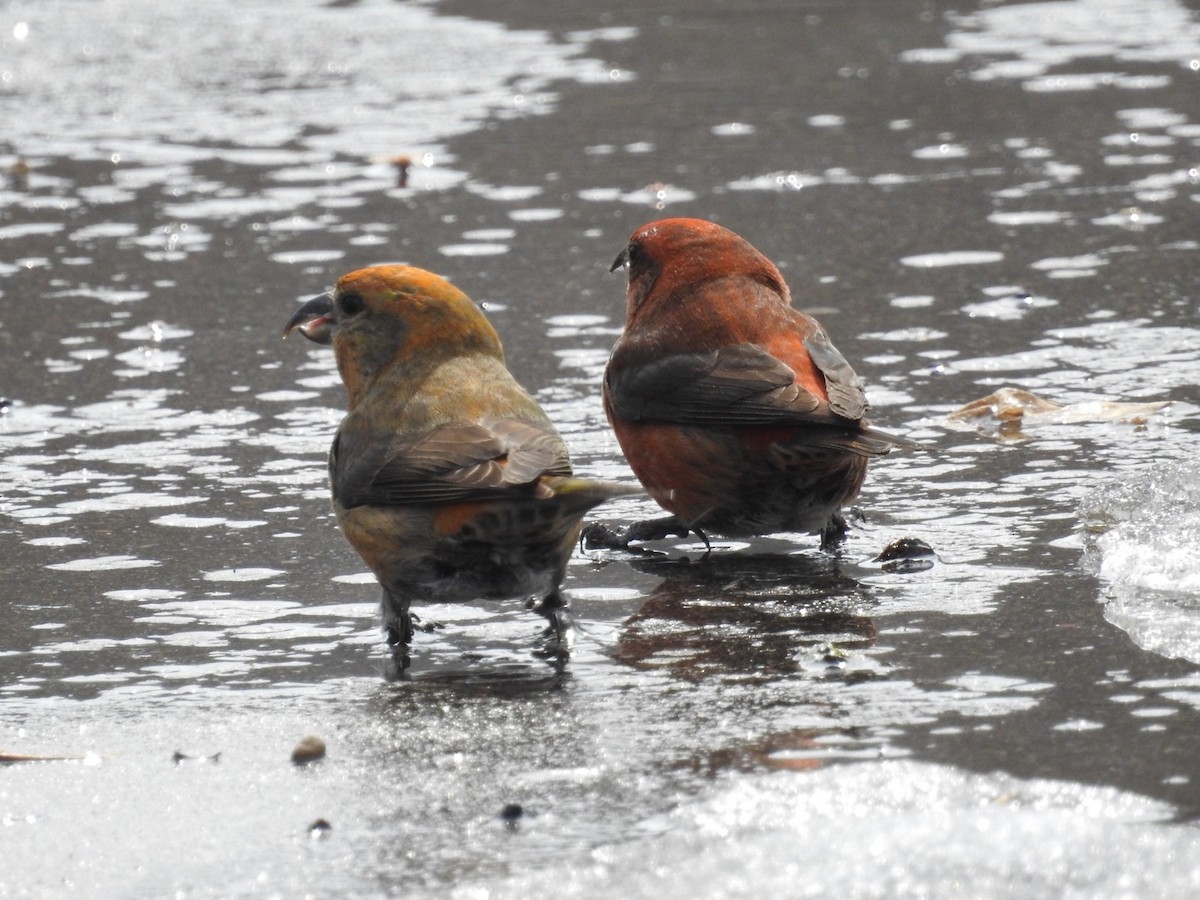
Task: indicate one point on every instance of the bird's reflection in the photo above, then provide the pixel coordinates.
(748, 615)
(476, 678)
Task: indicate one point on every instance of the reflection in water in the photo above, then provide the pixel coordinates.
(798, 750)
(747, 617)
(494, 679)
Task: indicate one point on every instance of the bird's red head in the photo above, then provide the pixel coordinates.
(673, 255)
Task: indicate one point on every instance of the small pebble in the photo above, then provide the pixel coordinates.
(180, 757)
(512, 814)
(310, 750)
(907, 554)
(319, 829)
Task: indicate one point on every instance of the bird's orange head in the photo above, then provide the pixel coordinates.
(671, 256)
(394, 315)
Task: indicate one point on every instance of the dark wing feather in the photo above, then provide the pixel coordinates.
(452, 463)
(533, 450)
(846, 397)
(741, 384)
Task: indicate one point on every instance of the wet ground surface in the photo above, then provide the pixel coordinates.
(969, 196)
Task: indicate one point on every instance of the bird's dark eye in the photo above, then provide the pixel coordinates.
(629, 258)
(351, 304)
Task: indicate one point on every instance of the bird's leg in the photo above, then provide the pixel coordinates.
(429, 626)
(399, 633)
(397, 620)
(560, 632)
(598, 536)
(833, 535)
(657, 530)
(397, 665)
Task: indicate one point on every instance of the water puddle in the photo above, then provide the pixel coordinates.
(980, 205)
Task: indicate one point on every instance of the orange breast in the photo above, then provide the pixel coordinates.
(453, 517)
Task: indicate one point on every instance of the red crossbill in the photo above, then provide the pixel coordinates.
(447, 476)
(734, 409)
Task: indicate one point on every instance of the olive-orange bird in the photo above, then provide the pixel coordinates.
(733, 408)
(447, 476)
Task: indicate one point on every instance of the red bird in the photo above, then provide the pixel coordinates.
(734, 409)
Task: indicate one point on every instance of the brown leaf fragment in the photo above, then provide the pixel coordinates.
(1012, 405)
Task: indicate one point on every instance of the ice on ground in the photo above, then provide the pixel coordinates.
(890, 829)
(1143, 537)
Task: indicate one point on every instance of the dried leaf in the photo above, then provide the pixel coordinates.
(7, 757)
(1010, 406)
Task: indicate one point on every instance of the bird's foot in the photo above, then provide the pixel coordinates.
(429, 626)
(833, 535)
(398, 620)
(598, 536)
(399, 630)
(396, 665)
(559, 634)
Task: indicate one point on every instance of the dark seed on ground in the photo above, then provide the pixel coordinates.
(512, 812)
(320, 828)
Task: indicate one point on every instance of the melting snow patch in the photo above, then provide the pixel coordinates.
(143, 594)
(247, 574)
(178, 520)
(952, 258)
(357, 578)
(103, 564)
(888, 829)
(1142, 534)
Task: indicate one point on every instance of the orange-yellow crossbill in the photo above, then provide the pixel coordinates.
(447, 476)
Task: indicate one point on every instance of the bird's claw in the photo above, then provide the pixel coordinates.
(397, 665)
(428, 626)
(598, 536)
(399, 631)
(833, 535)
(559, 633)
